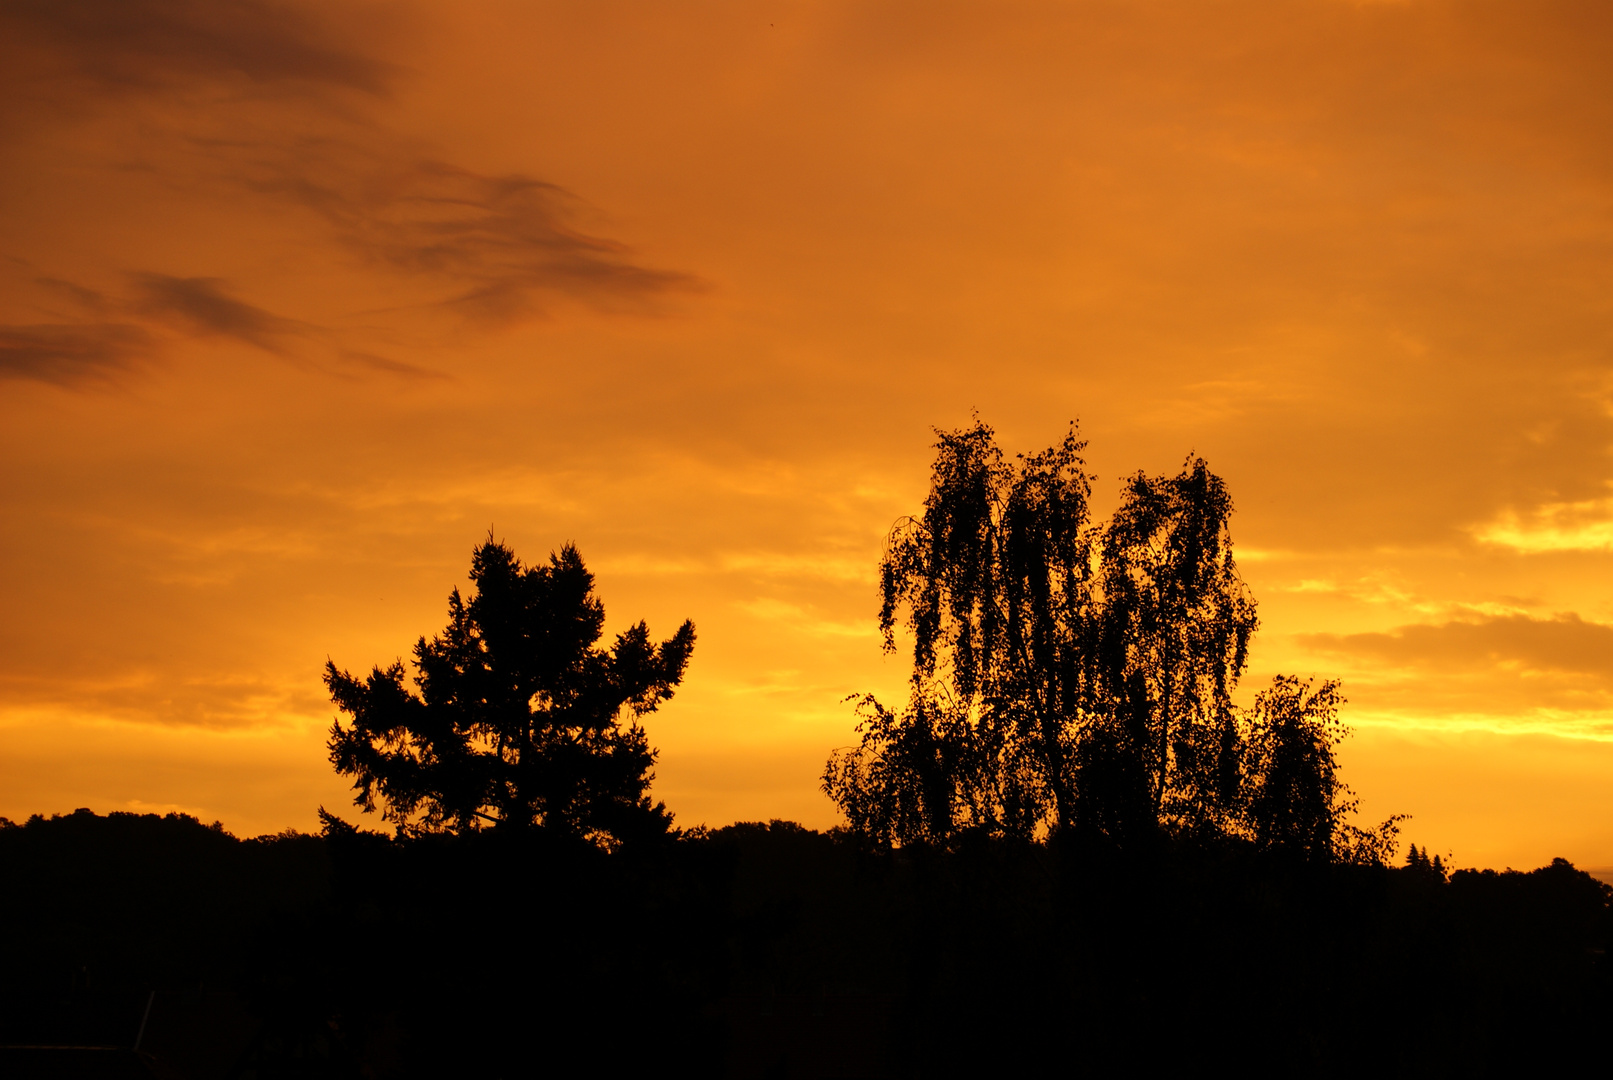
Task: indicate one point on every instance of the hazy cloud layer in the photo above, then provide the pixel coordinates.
(223, 704)
(1585, 525)
(1564, 644)
(1553, 674)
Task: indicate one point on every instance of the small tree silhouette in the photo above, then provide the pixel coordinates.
(518, 718)
(1295, 800)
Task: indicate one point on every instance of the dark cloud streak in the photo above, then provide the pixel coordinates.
(129, 332)
(160, 43)
(493, 244)
(87, 299)
(202, 306)
(71, 354)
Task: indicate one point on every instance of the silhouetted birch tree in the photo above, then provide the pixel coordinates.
(1065, 675)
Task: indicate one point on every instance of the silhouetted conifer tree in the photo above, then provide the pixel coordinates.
(518, 716)
(1424, 865)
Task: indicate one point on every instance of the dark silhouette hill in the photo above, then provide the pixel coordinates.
(100, 912)
(774, 950)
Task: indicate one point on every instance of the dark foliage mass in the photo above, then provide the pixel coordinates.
(771, 950)
(1070, 677)
(518, 718)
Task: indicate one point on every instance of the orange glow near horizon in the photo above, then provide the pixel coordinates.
(301, 299)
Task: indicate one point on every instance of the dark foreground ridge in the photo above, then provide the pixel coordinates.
(773, 950)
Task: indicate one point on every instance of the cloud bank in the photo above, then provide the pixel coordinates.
(281, 106)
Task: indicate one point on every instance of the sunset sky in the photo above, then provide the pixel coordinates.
(300, 300)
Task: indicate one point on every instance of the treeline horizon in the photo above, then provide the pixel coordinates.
(759, 949)
(1446, 863)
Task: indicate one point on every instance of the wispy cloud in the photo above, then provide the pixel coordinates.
(202, 305)
(70, 354)
(128, 332)
(387, 366)
(493, 244)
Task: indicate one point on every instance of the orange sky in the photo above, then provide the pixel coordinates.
(299, 299)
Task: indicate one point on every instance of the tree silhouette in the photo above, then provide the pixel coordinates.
(1173, 622)
(1071, 676)
(994, 579)
(1295, 802)
(517, 720)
